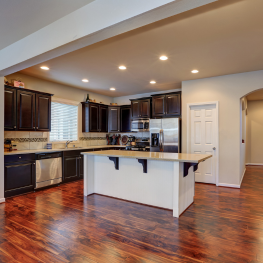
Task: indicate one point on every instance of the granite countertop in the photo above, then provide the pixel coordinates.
(62, 150)
(161, 156)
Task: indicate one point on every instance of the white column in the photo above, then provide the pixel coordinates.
(88, 174)
(2, 199)
(183, 189)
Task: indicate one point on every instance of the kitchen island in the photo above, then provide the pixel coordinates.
(158, 179)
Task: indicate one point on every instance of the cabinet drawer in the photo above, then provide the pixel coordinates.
(19, 158)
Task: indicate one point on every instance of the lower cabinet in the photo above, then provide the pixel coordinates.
(73, 165)
(20, 174)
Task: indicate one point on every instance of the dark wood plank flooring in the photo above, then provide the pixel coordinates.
(61, 225)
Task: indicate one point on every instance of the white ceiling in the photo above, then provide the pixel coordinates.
(221, 38)
(20, 18)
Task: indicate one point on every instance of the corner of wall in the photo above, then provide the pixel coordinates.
(2, 199)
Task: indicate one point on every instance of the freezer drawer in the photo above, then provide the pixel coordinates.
(48, 172)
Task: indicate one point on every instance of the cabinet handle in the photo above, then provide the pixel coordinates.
(14, 127)
(19, 157)
(37, 127)
(34, 127)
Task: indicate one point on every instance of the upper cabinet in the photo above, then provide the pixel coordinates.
(27, 110)
(10, 109)
(166, 105)
(26, 107)
(94, 117)
(141, 108)
(114, 119)
(125, 118)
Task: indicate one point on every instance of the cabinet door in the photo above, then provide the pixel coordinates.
(43, 112)
(158, 106)
(81, 167)
(93, 118)
(19, 178)
(173, 105)
(114, 119)
(71, 169)
(26, 104)
(145, 106)
(136, 109)
(125, 118)
(10, 109)
(103, 116)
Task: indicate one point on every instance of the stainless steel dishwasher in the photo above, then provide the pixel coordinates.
(48, 169)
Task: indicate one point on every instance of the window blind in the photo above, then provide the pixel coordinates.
(64, 122)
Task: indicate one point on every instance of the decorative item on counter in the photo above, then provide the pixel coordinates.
(49, 146)
(87, 99)
(124, 139)
(18, 83)
(8, 146)
(113, 104)
(113, 139)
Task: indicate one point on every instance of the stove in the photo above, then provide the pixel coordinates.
(135, 148)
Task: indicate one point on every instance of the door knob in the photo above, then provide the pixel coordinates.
(214, 148)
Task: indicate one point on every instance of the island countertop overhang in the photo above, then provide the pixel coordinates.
(159, 156)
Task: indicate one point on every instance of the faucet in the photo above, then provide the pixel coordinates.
(67, 143)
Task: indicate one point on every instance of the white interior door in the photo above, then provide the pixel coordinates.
(203, 137)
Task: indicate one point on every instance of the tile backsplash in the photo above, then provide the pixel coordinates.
(38, 140)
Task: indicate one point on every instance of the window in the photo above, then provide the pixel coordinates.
(64, 122)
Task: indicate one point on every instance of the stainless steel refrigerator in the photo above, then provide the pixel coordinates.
(165, 135)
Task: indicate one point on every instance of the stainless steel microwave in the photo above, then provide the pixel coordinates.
(141, 125)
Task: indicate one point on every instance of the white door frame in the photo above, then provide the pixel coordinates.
(216, 103)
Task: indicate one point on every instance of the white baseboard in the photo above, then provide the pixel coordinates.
(2, 200)
(243, 176)
(254, 163)
(230, 185)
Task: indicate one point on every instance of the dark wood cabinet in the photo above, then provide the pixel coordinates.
(158, 106)
(103, 119)
(27, 110)
(19, 174)
(125, 118)
(26, 105)
(10, 109)
(166, 105)
(94, 117)
(43, 112)
(114, 119)
(141, 108)
(173, 104)
(71, 168)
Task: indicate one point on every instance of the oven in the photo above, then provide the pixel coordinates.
(141, 125)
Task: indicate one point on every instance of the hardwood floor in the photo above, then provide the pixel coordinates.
(60, 225)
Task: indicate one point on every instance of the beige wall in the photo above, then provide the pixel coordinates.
(254, 153)
(243, 107)
(228, 90)
(2, 139)
(59, 91)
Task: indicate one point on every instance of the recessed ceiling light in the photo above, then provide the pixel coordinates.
(153, 82)
(44, 67)
(122, 67)
(112, 88)
(195, 71)
(85, 80)
(163, 58)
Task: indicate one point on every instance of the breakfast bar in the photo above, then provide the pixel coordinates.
(158, 179)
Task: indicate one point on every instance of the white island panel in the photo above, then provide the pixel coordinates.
(162, 186)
